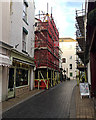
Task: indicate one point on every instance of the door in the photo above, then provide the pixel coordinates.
(11, 92)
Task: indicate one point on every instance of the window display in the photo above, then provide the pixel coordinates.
(21, 77)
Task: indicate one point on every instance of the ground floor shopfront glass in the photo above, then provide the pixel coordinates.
(18, 80)
(21, 77)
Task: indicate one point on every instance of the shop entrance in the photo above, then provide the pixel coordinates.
(11, 92)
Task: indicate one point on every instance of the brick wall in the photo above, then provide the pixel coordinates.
(22, 90)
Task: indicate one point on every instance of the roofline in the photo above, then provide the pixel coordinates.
(68, 38)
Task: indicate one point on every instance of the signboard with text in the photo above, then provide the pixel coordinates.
(84, 89)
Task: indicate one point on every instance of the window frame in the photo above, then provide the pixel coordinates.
(70, 57)
(71, 74)
(21, 77)
(71, 66)
(25, 14)
(24, 41)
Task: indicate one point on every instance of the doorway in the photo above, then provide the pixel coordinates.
(11, 91)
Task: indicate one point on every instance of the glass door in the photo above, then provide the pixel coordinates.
(11, 92)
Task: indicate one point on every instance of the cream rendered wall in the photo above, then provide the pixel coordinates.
(11, 27)
(5, 22)
(31, 21)
(4, 83)
(17, 25)
(4, 37)
(69, 49)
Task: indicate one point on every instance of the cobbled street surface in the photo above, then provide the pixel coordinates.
(52, 103)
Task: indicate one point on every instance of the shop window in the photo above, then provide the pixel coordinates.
(71, 74)
(21, 77)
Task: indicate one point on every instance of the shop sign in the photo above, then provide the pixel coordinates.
(84, 89)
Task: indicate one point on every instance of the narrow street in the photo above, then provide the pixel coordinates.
(52, 103)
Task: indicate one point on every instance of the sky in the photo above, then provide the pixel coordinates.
(63, 13)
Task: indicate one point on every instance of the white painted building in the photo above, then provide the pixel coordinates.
(68, 47)
(17, 44)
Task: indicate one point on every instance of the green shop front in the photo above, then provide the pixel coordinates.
(21, 74)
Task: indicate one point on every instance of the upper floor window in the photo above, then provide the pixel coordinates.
(24, 42)
(70, 66)
(70, 57)
(24, 39)
(63, 60)
(25, 5)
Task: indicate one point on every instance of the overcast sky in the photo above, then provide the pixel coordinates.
(63, 13)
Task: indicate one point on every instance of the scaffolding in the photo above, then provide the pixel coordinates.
(80, 49)
(46, 53)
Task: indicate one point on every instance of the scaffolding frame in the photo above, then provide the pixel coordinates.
(46, 53)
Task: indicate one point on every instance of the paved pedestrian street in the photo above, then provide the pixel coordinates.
(52, 103)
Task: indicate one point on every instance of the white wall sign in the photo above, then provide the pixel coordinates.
(84, 89)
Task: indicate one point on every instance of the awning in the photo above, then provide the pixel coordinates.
(4, 60)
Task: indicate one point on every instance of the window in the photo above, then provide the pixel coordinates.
(70, 57)
(71, 74)
(24, 42)
(63, 60)
(24, 39)
(21, 77)
(25, 5)
(70, 66)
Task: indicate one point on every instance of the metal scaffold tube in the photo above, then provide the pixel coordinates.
(46, 50)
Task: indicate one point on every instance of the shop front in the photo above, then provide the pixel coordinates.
(20, 76)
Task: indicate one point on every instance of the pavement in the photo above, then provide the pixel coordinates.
(84, 106)
(10, 103)
(79, 108)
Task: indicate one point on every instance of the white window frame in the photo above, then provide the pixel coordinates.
(24, 41)
(24, 12)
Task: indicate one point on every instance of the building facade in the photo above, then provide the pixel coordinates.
(18, 74)
(80, 48)
(68, 47)
(91, 45)
(87, 43)
(46, 52)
